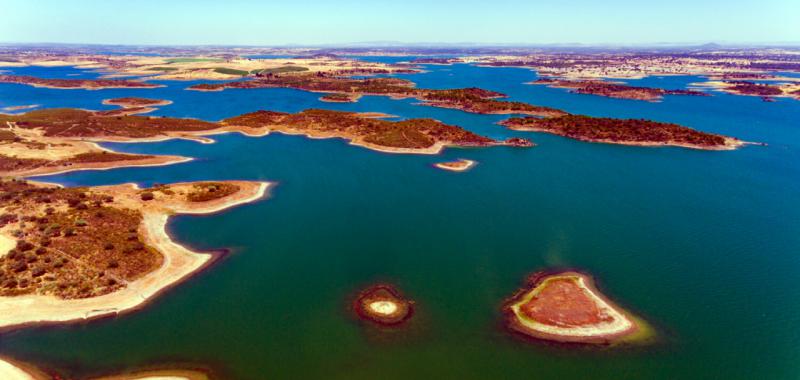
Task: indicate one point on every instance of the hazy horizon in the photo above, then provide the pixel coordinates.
(316, 23)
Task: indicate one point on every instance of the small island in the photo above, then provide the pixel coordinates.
(84, 252)
(87, 84)
(460, 165)
(129, 102)
(624, 131)
(20, 108)
(340, 98)
(132, 106)
(566, 307)
(383, 305)
(614, 90)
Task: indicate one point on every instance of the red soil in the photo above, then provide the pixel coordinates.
(564, 303)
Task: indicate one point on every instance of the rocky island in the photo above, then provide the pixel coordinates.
(383, 305)
(460, 165)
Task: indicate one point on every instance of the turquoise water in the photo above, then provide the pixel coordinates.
(704, 245)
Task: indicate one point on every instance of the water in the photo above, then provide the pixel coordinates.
(701, 244)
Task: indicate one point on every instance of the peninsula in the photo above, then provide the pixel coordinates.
(623, 131)
(55, 140)
(85, 252)
(566, 307)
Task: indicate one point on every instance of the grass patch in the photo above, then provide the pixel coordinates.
(279, 70)
(225, 70)
(161, 68)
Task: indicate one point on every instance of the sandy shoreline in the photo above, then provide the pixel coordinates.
(147, 162)
(15, 370)
(179, 263)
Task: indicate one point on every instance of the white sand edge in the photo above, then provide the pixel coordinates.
(179, 262)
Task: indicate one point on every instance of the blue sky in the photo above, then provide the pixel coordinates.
(246, 22)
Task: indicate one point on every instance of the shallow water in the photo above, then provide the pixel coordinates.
(704, 245)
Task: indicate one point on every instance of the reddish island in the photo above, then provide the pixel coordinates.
(472, 99)
(614, 90)
(566, 307)
(383, 304)
(624, 131)
(88, 84)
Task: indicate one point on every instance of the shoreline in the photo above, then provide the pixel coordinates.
(153, 161)
(179, 264)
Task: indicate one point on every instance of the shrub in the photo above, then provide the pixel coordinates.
(23, 245)
(147, 196)
(38, 271)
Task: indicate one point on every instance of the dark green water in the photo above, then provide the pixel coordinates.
(704, 245)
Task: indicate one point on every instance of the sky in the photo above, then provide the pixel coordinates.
(317, 22)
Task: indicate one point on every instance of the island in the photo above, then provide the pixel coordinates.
(404, 136)
(460, 165)
(51, 141)
(767, 91)
(132, 106)
(566, 307)
(614, 90)
(87, 84)
(85, 252)
(475, 100)
(624, 131)
(340, 98)
(20, 108)
(383, 304)
(129, 102)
